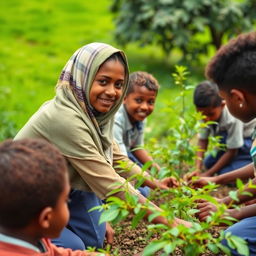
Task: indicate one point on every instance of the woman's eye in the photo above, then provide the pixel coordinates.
(151, 102)
(138, 100)
(119, 85)
(102, 82)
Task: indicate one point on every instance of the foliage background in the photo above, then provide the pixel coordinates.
(38, 37)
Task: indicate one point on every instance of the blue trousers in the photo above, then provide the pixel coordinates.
(83, 229)
(143, 190)
(242, 158)
(245, 229)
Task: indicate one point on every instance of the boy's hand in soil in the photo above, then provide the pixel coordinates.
(205, 210)
(110, 232)
(188, 176)
(168, 183)
(201, 182)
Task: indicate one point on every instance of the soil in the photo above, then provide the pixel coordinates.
(130, 241)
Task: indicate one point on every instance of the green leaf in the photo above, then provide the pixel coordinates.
(98, 207)
(174, 231)
(233, 195)
(246, 193)
(224, 249)
(192, 211)
(154, 247)
(109, 215)
(115, 200)
(213, 247)
(239, 183)
(169, 248)
(153, 215)
(138, 217)
(146, 165)
(240, 245)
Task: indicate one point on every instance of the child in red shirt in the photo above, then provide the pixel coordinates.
(33, 199)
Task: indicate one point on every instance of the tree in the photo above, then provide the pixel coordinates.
(181, 23)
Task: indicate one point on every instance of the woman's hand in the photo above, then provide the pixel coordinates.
(110, 232)
(168, 183)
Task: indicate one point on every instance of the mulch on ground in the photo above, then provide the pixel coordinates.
(130, 241)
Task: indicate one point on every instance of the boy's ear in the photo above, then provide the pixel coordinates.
(45, 217)
(237, 95)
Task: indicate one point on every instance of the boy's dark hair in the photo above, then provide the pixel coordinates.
(32, 178)
(141, 78)
(234, 65)
(206, 95)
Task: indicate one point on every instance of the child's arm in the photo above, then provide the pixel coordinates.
(206, 208)
(243, 173)
(202, 147)
(242, 213)
(241, 197)
(225, 159)
(143, 156)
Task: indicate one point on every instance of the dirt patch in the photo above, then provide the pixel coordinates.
(130, 241)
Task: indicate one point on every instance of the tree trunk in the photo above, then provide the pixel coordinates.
(216, 37)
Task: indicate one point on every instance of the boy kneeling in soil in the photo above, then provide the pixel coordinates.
(235, 135)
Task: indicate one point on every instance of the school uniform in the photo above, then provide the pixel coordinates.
(234, 135)
(129, 136)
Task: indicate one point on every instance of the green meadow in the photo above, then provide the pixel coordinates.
(38, 37)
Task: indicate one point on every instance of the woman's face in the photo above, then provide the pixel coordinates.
(107, 86)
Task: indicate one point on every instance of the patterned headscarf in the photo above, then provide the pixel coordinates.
(76, 81)
(80, 70)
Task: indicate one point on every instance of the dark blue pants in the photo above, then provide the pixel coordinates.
(143, 190)
(242, 158)
(83, 229)
(245, 229)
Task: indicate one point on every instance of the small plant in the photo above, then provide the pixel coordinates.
(176, 202)
(177, 153)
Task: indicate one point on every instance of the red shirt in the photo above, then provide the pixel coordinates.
(8, 249)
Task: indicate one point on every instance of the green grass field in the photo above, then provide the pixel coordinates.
(38, 37)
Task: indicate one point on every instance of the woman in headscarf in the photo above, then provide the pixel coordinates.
(79, 121)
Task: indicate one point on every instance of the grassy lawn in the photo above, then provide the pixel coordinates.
(38, 37)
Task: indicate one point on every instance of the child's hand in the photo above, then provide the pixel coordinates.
(182, 222)
(188, 176)
(110, 232)
(168, 183)
(203, 181)
(206, 208)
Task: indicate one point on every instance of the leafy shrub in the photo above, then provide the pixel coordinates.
(176, 153)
